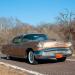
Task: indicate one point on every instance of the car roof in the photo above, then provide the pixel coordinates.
(29, 34)
(34, 34)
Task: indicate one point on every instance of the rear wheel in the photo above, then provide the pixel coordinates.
(31, 58)
(8, 57)
(61, 59)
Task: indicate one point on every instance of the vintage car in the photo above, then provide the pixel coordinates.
(37, 46)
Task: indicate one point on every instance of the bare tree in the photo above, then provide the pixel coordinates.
(65, 20)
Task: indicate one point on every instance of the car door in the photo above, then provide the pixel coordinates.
(16, 47)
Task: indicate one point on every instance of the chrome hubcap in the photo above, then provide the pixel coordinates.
(31, 57)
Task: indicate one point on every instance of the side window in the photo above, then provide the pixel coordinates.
(25, 39)
(17, 40)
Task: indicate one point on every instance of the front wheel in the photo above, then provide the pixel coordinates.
(31, 58)
(61, 59)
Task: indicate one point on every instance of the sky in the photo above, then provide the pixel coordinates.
(35, 11)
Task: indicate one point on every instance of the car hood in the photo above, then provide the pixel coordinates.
(48, 44)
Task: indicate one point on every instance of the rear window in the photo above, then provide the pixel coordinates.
(17, 40)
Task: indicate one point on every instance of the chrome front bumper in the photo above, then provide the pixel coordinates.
(51, 53)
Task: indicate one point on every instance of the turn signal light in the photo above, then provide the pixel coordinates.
(59, 55)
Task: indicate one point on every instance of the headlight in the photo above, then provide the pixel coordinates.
(69, 44)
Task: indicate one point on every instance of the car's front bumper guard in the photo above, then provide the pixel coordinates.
(39, 54)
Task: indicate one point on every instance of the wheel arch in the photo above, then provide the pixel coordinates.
(28, 49)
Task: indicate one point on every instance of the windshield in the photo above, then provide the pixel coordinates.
(38, 37)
